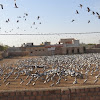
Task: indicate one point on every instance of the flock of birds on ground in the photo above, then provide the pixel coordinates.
(52, 69)
(89, 11)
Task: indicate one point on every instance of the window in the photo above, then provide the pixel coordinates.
(31, 52)
(72, 50)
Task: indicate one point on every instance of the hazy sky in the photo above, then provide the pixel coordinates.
(55, 17)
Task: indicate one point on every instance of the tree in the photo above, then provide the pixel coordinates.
(3, 47)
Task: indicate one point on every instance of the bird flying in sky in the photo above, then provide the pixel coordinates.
(1, 6)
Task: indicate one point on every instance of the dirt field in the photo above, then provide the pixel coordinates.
(15, 84)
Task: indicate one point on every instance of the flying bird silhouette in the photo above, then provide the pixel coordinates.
(97, 13)
(26, 14)
(33, 23)
(38, 17)
(93, 12)
(40, 23)
(6, 21)
(88, 9)
(17, 21)
(77, 12)
(88, 21)
(19, 17)
(81, 5)
(16, 5)
(73, 20)
(1, 6)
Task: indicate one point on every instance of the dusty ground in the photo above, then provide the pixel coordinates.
(15, 84)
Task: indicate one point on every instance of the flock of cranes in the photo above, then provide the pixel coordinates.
(38, 17)
(88, 10)
(80, 69)
(14, 5)
(35, 23)
(52, 70)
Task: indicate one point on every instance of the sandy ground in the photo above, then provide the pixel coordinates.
(15, 84)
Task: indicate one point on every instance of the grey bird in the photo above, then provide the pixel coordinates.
(75, 82)
(73, 20)
(99, 17)
(16, 5)
(97, 13)
(77, 12)
(38, 17)
(1, 6)
(88, 21)
(93, 12)
(88, 9)
(81, 5)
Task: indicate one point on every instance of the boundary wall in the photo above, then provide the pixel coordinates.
(83, 93)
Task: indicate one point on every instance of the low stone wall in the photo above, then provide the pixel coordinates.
(1, 57)
(95, 50)
(22, 53)
(84, 93)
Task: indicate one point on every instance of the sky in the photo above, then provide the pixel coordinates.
(55, 19)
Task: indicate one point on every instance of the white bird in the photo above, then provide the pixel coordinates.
(95, 81)
(75, 82)
(21, 81)
(85, 80)
(8, 83)
(33, 84)
(52, 85)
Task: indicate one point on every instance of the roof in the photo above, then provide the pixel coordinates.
(56, 45)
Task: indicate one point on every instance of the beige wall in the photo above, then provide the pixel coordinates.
(72, 50)
(96, 50)
(23, 53)
(38, 51)
(43, 51)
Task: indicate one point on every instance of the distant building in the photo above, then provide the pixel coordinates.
(71, 42)
(65, 46)
(97, 46)
(71, 46)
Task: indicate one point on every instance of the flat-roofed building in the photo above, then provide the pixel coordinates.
(65, 46)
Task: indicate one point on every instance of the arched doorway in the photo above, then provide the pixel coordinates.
(78, 51)
(67, 51)
(72, 51)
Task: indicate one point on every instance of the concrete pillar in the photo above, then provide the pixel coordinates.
(75, 50)
(81, 50)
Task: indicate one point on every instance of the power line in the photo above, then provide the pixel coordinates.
(54, 33)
